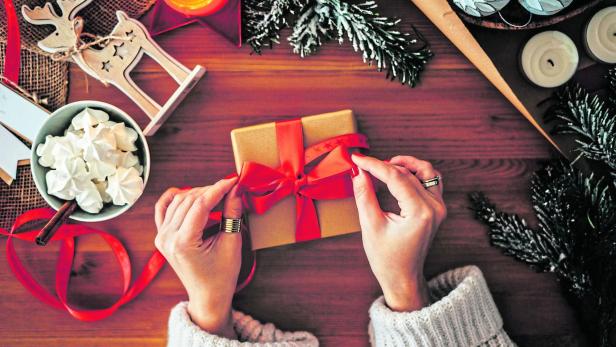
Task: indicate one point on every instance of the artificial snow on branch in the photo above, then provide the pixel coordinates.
(263, 20)
(592, 121)
(575, 236)
(402, 55)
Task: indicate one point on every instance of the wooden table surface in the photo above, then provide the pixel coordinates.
(455, 119)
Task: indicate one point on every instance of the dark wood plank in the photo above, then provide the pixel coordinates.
(455, 119)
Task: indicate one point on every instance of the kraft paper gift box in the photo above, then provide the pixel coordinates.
(277, 226)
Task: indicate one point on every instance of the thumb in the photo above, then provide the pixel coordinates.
(370, 212)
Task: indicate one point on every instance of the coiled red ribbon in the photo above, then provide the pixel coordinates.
(303, 175)
(66, 234)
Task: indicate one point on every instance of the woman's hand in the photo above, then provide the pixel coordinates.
(208, 268)
(397, 245)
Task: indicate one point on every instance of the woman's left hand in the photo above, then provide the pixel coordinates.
(208, 268)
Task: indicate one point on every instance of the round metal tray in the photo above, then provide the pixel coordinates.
(514, 13)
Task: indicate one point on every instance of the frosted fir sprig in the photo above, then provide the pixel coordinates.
(402, 55)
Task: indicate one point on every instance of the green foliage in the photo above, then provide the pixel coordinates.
(591, 119)
(401, 55)
(575, 236)
(263, 20)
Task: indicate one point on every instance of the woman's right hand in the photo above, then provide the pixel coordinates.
(397, 245)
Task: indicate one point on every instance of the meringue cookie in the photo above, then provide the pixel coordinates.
(69, 179)
(97, 143)
(125, 186)
(44, 150)
(125, 159)
(109, 124)
(100, 170)
(139, 168)
(71, 129)
(125, 137)
(102, 187)
(89, 199)
(56, 183)
(66, 148)
(89, 117)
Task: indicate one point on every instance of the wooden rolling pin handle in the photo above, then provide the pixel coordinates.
(55, 222)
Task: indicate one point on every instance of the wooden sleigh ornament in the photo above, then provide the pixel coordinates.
(110, 59)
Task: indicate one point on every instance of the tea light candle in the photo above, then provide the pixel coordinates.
(600, 35)
(549, 59)
(196, 7)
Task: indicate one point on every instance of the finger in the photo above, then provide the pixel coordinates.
(370, 213)
(198, 214)
(402, 170)
(217, 192)
(422, 169)
(177, 200)
(233, 204)
(162, 204)
(195, 221)
(397, 182)
(181, 211)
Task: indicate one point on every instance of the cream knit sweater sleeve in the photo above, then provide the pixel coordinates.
(462, 314)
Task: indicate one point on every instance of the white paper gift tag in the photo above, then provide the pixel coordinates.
(13, 151)
(23, 117)
(20, 114)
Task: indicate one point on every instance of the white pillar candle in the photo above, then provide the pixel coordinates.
(600, 35)
(549, 59)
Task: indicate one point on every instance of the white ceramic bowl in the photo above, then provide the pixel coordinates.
(57, 123)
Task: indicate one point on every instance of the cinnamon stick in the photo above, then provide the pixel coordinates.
(55, 222)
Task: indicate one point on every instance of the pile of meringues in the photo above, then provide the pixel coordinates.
(94, 162)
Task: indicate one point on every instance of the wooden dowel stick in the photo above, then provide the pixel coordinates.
(55, 222)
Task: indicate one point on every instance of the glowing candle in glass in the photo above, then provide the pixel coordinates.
(196, 7)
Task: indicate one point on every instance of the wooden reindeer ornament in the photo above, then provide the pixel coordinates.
(110, 59)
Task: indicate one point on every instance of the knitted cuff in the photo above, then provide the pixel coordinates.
(183, 332)
(463, 313)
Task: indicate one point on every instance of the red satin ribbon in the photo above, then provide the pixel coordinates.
(12, 60)
(302, 175)
(66, 234)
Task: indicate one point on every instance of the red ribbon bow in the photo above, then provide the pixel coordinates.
(302, 175)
